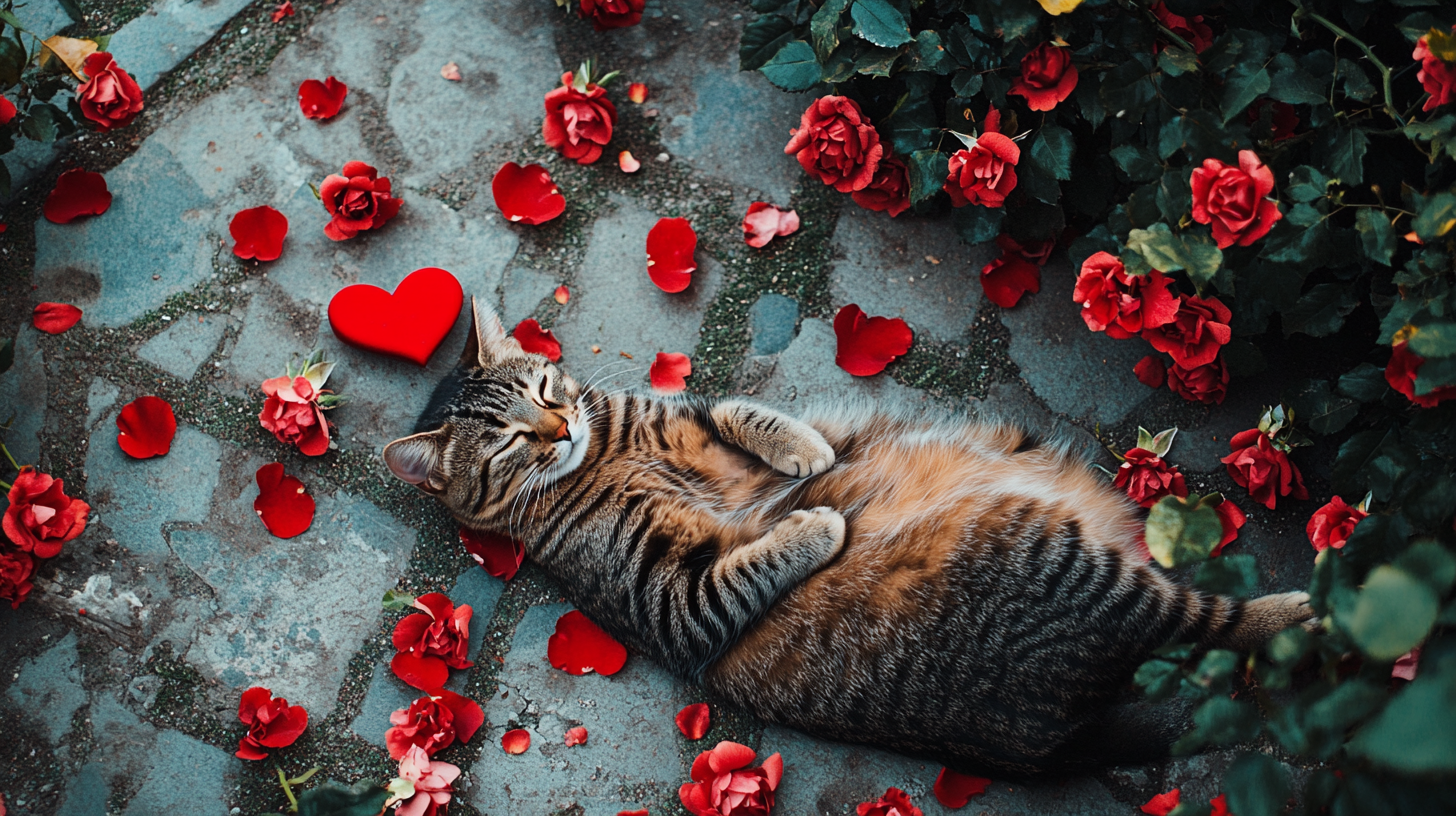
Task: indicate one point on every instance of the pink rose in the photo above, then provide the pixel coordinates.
(724, 785)
(431, 785)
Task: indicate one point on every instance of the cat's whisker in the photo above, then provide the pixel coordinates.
(595, 375)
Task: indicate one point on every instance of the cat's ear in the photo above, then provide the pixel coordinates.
(417, 460)
(487, 341)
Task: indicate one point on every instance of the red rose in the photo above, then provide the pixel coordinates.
(1235, 199)
(1283, 118)
(1047, 77)
(1436, 76)
(608, 14)
(1231, 518)
(726, 786)
(1331, 525)
(1195, 334)
(432, 723)
(272, 723)
(15, 570)
(431, 640)
(1192, 29)
(41, 517)
(1147, 478)
(1264, 470)
(1207, 384)
(895, 802)
(888, 191)
(1121, 304)
(579, 121)
(7, 111)
(110, 97)
(293, 414)
(1400, 372)
(985, 174)
(836, 144)
(358, 200)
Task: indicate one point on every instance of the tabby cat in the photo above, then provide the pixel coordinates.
(946, 589)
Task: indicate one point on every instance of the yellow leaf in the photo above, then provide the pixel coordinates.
(1442, 44)
(1055, 7)
(71, 51)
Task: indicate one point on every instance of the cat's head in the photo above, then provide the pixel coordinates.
(503, 423)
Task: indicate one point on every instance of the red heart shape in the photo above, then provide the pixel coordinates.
(410, 323)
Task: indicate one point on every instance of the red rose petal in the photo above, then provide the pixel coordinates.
(575, 736)
(562, 294)
(54, 318)
(637, 92)
(516, 742)
(285, 10)
(258, 233)
(1220, 806)
(1162, 804)
(536, 340)
(283, 504)
(526, 194)
(692, 721)
(669, 371)
(146, 427)
(765, 221)
(469, 716)
(419, 672)
(627, 163)
(500, 555)
(1007, 278)
(77, 193)
(321, 100)
(580, 646)
(670, 246)
(642, 812)
(954, 790)
(867, 345)
(1150, 371)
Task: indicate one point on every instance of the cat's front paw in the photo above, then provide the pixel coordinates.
(806, 455)
(820, 530)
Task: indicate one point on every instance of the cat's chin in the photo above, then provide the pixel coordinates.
(570, 453)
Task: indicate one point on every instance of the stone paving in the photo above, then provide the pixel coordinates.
(121, 675)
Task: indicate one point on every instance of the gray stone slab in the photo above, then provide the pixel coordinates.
(827, 778)
(44, 17)
(386, 695)
(616, 307)
(158, 224)
(135, 497)
(275, 331)
(1084, 374)
(23, 396)
(162, 36)
(505, 71)
(290, 613)
(805, 373)
(182, 348)
(187, 776)
(86, 793)
(632, 740)
(100, 396)
(522, 290)
(123, 743)
(480, 590)
(881, 264)
(771, 323)
(49, 687)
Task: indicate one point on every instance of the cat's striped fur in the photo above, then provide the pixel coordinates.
(943, 588)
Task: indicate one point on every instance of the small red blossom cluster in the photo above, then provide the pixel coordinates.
(40, 518)
(1147, 478)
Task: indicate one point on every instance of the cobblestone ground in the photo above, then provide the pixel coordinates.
(130, 707)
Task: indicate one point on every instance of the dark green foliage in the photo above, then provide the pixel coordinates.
(1360, 259)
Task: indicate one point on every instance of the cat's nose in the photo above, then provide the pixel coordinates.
(563, 432)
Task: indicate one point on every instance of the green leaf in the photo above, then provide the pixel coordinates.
(42, 123)
(1289, 646)
(1321, 311)
(1158, 679)
(1177, 61)
(1052, 150)
(928, 54)
(1137, 162)
(333, 799)
(1365, 383)
(1441, 133)
(1430, 562)
(1392, 613)
(966, 83)
(793, 68)
(12, 62)
(395, 601)
(1179, 533)
(1436, 339)
(1325, 412)
(1343, 150)
(7, 354)
(1357, 83)
(1199, 134)
(1233, 575)
(1241, 89)
(876, 61)
(880, 23)
(1306, 184)
(1297, 245)
(1256, 785)
(1416, 733)
(761, 39)
(927, 170)
(1377, 235)
(824, 27)
(1436, 217)
(1293, 84)
(1163, 250)
(977, 225)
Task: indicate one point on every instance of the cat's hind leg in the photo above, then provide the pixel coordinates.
(1262, 618)
(785, 444)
